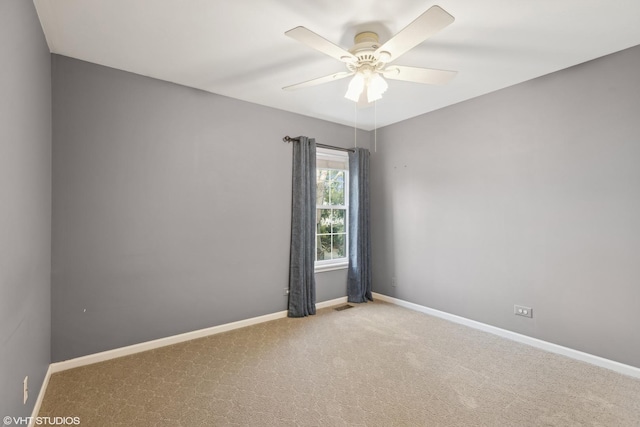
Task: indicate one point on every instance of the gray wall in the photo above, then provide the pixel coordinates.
(171, 208)
(25, 205)
(529, 195)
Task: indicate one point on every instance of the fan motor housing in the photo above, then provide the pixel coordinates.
(364, 49)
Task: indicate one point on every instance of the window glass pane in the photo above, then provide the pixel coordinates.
(337, 221)
(322, 187)
(331, 224)
(326, 191)
(320, 190)
(319, 253)
(337, 193)
(339, 248)
(324, 247)
(323, 221)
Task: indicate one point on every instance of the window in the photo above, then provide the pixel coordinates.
(332, 199)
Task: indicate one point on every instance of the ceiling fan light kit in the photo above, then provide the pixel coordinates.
(366, 82)
(367, 61)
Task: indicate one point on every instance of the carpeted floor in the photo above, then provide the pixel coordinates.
(372, 365)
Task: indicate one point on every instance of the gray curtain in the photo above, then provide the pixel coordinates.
(302, 281)
(359, 278)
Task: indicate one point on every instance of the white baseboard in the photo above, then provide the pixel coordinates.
(162, 342)
(631, 371)
(175, 339)
(38, 404)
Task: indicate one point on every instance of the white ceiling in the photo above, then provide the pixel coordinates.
(238, 48)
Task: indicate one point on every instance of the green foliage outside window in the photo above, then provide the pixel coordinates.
(331, 215)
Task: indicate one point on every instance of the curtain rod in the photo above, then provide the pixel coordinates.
(289, 139)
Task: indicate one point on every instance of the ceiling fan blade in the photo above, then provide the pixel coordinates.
(319, 80)
(320, 44)
(419, 75)
(426, 25)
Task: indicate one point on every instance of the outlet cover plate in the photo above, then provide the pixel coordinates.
(521, 310)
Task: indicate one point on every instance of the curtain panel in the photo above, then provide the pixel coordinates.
(359, 276)
(302, 281)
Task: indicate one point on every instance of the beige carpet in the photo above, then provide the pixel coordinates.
(372, 365)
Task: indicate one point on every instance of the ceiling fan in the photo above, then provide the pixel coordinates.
(368, 61)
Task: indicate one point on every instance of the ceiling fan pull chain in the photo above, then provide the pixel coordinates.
(375, 126)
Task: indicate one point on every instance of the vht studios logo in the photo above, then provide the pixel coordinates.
(41, 421)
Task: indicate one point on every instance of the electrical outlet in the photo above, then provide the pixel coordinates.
(25, 390)
(521, 310)
(394, 282)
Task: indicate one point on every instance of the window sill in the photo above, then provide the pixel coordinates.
(331, 267)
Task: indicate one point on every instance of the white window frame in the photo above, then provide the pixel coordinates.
(340, 263)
